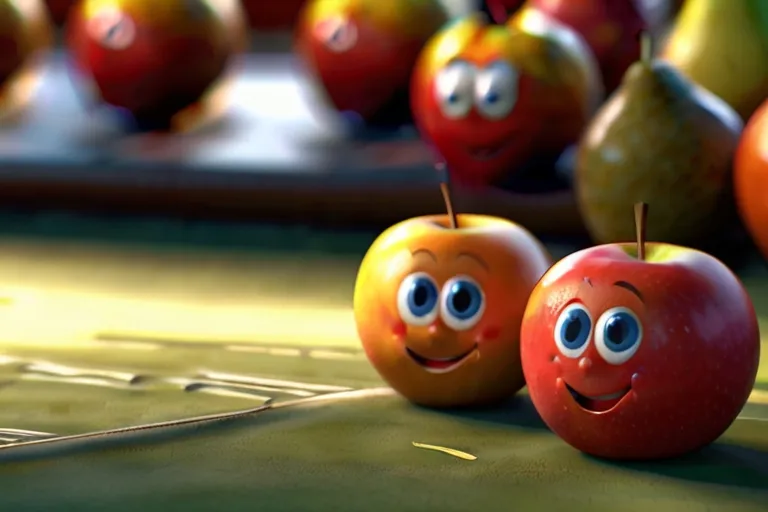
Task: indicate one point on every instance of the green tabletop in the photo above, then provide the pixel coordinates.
(114, 323)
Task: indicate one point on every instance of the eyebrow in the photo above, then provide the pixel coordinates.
(630, 287)
(424, 251)
(475, 257)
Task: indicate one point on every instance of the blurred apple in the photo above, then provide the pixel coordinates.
(362, 52)
(490, 98)
(612, 28)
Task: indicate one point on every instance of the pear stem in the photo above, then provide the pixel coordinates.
(646, 47)
(641, 218)
(445, 188)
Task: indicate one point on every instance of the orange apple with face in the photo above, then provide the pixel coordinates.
(438, 309)
(491, 98)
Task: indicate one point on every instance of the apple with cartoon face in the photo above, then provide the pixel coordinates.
(490, 98)
(362, 52)
(438, 305)
(639, 356)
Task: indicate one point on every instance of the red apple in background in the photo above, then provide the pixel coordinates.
(639, 356)
(363, 52)
(489, 97)
(612, 28)
(154, 64)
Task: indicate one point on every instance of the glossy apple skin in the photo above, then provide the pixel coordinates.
(691, 375)
(362, 52)
(514, 262)
(556, 91)
(612, 28)
(151, 59)
(751, 177)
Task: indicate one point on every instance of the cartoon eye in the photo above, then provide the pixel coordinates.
(453, 89)
(573, 330)
(417, 299)
(618, 334)
(496, 90)
(339, 34)
(462, 303)
(112, 28)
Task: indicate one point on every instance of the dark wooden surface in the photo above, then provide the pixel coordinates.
(279, 154)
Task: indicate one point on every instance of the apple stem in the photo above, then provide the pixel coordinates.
(445, 188)
(646, 47)
(641, 217)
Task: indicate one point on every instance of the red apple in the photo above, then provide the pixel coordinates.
(629, 358)
(153, 63)
(489, 98)
(363, 51)
(612, 28)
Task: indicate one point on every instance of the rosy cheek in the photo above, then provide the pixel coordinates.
(489, 333)
(399, 330)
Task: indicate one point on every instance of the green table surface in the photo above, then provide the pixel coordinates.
(322, 432)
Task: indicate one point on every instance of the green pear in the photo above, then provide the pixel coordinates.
(723, 46)
(662, 140)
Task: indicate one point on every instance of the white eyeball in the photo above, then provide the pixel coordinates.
(496, 90)
(112, 28)
(339, 34)
(462, 303)
(417, 299)
(618, 334)
(573, 330)
(454, 86)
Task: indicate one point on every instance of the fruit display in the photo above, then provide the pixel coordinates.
(612, 28)
(361, 53)
(644, 351)
(751, 177)
(438, 304)
(723, 46)
(157, 62)
(25, 34)
(489, 98)
(664, 140)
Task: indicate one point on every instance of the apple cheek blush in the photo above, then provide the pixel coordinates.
(655, 387)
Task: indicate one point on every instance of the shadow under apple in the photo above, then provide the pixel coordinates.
(722, 464)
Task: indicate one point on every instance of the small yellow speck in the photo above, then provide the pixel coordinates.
(449, 451)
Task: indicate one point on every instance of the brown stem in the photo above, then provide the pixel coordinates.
(641, 218)
(646, 47)
(445, 188)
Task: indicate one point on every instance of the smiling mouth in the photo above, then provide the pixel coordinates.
(601, 403)
(440, 365)
(486, 153)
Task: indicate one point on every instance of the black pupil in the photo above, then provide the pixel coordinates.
(615, 331)
(420, 295)
(573, 329)
(461, 300)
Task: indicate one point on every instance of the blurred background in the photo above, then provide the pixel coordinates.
(247, 138)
